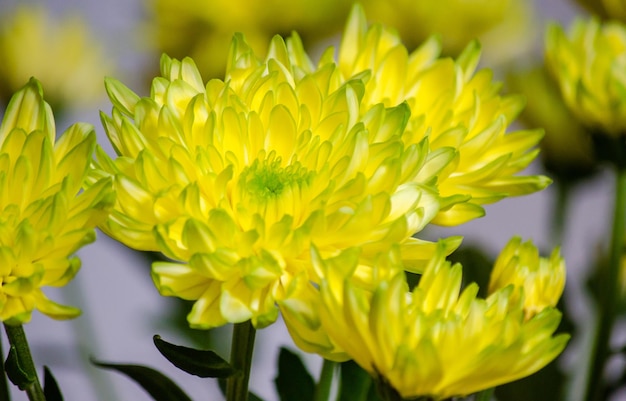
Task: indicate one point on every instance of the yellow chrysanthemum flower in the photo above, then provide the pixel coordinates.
(542, 280)
(45, 217)
(235, 180)
(435, 341)
(202, 29)
(452, 106)
(503, 26)
(61, 53)
(589, 65)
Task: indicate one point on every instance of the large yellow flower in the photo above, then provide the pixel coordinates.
(235, 180)
(44, 215)
(451, 105)
(608, 9)
(62, 54)
(589, 65)
(435, 341)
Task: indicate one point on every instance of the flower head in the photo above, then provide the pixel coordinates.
(589, 64)
(44, 215)
(30, 39)
(436, 340)
(235, 180)
(542, 280)
(452, 105)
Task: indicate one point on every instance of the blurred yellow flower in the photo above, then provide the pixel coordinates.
(504, 27)
(234, 180)
(566, 149)
(542, 280)
(45, 216)
(436, 341)
(589, 65)
(202, 29)
(607, 9)
(451, 105)
(61, 53)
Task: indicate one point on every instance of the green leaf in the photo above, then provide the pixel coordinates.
(50, 387)
(16, 374)
(293, 383)
(159, 386)
(355, 382)
(196, 362)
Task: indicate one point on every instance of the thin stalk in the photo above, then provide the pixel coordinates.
(559, 212)
(17, 339)
(322, 390)
(240, 359)
(5, 395)
(485, 395)
(610, 289)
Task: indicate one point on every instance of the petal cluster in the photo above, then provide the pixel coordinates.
(588, 63)
(436, 341)
(236, 179)
(45, 217)
(452, 105)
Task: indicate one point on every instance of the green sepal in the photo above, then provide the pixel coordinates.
(16, 374)
(159, 386)
(51, 389)
(200, 363)
(294, 382)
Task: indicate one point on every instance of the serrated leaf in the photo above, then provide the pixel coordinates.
(355, 382)
(14, 371)
(200, 363)
(159, 386)
(51, 389)
(294, 382)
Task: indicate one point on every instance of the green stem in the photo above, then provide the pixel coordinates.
(609, 283)
(322, 391)
(4, 385)
(241, 359)
(17, 339)
(559, 212)
(485, 395)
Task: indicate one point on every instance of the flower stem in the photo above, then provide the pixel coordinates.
(609, 283)
(17, 339)
(322, 391)
(240, 359)
(485, 395)
(4, 386)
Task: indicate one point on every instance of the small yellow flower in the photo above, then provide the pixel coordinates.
(451, 105)
(436, 341)
(61, 53)
(542, 280)
(235, 180)
(44, 215)
(589, 65)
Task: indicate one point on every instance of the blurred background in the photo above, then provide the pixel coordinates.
(70, 45)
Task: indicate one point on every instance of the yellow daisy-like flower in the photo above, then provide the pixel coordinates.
(61, 53)
(452, 106)
(235, 180)
(44, 215)
(202, 29)
(435, 341)
(589, 65)
(542, 280)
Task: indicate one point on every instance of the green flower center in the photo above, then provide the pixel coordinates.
(267, 180)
